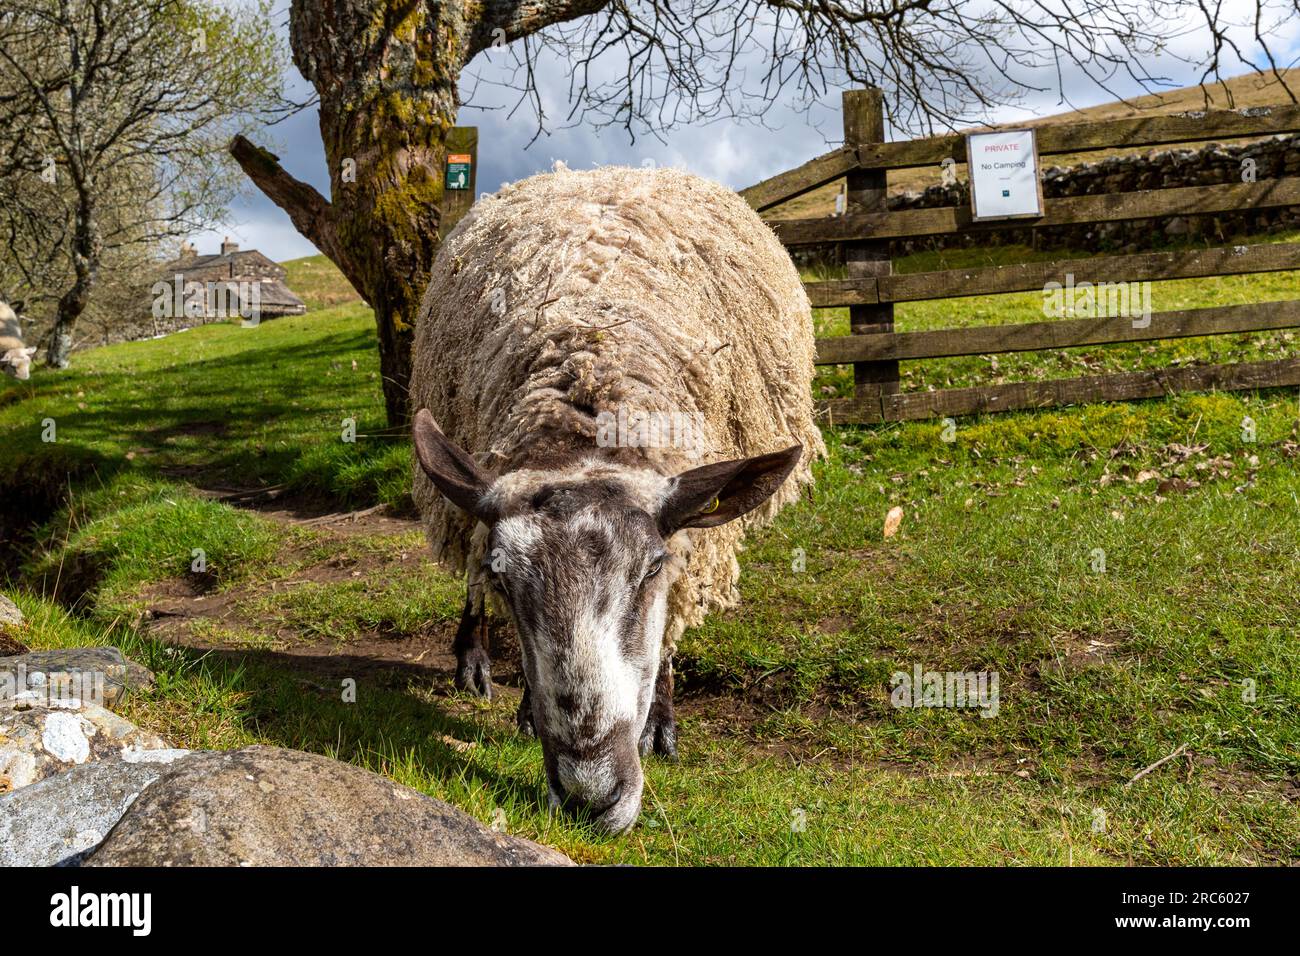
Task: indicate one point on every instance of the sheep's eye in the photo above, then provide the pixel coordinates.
(655, 566)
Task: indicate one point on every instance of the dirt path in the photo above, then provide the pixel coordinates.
(189, 613)
(193, 613)
(274, 503)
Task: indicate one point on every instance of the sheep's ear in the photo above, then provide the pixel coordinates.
(450, 468)
(715, 494)
(31, 351)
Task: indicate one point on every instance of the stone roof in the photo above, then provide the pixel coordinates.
(232, 264)
(275, 292)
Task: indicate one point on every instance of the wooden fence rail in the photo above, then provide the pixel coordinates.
(1034, 276)
(1058, 139)
(871, 288)
(1059, 333)
(1074, 210)
(1123, 386)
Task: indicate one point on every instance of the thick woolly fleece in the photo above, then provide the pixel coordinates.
(576, 294)
(11, 331)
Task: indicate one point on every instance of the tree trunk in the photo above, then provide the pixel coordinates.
(87, 249)
(387, 102)
(386, 72)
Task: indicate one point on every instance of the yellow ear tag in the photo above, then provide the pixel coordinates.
(711, 507)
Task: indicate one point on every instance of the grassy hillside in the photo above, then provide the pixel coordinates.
(1236, 93)
(319, 283)
(1180, 636)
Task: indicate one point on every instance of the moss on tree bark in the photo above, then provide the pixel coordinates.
(386, 72)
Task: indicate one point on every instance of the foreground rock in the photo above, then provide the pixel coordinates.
(100, 675)
(54, 822)
(264, 806)
(39, 739)
(10, 616)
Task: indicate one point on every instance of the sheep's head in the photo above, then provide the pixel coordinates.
(18, 363)
(580, 557)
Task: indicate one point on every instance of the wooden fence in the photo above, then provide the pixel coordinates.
(870, 288)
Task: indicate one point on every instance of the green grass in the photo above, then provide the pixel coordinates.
(148, 531)
(340, 611)
(791, 750)
(222, 405)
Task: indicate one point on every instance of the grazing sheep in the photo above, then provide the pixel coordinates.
(623, 355)
(15, 357)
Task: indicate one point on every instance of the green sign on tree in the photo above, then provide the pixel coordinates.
(458, 171)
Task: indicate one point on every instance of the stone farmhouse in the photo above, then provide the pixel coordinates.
(228, 284)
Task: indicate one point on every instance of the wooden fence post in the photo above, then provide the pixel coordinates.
(458, 194)
(864, 122)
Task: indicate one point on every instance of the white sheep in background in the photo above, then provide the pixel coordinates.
(572, 320)
(15, 357)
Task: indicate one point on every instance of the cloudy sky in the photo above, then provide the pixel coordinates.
(736, 154)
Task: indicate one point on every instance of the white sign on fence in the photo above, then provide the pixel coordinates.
(1004, 182)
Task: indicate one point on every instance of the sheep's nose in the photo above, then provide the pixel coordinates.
(597, 807)
(612, 813)
(611, 808)
(590, 786)
(579, 798)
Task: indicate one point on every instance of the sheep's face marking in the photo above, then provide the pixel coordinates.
(585, 574)
(580, 558)
(18, 363)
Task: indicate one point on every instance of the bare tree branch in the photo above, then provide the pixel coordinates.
(311, 213)
(116, 114)
(647, 66)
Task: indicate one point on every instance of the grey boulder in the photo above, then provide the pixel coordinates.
(39, 739)
(99, 675)
(56, 821)
(266, 806)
